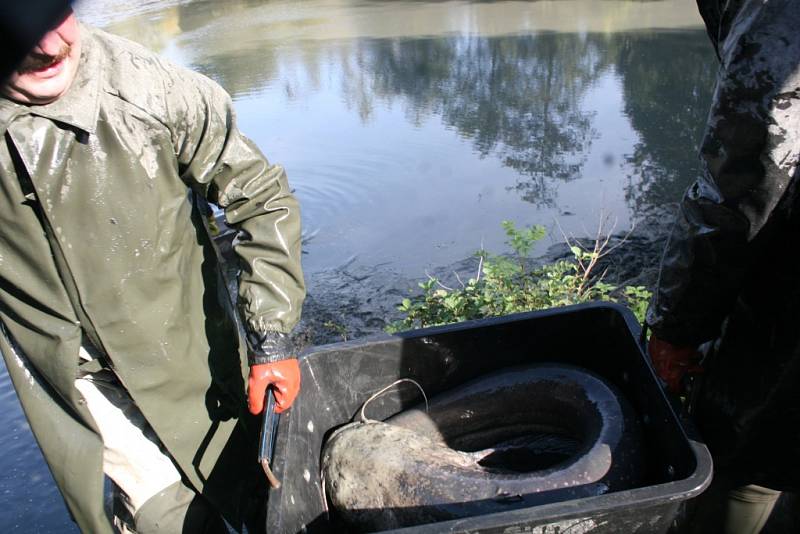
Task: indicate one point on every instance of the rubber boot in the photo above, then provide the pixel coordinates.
(748, 508)
(178, 510)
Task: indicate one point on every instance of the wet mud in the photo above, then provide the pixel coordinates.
(356, 301)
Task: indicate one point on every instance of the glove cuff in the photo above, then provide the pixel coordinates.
(268, 347)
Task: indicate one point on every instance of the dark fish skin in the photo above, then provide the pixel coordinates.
(517, 438)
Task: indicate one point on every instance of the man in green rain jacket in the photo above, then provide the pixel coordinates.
(114, 328)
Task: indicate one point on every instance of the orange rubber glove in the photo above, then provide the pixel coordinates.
(282, 376)
(673, 362)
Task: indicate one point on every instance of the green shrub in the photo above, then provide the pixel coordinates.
(508, 284)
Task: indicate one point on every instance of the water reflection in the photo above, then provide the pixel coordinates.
(557, 107)
(520, 99)
(516, 98)
(666, 95)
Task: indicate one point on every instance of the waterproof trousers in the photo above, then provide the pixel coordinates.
(748, 508)
(727, 507)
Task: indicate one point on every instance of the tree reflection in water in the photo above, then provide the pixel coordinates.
(667, 81)
(519, 98)
(516, 97)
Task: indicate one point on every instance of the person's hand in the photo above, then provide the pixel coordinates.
(284, 378)
(672, 362)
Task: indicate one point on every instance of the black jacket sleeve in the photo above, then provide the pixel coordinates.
(749, 158)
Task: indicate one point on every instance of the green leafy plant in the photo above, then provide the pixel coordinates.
(337, 328)
(507, 284)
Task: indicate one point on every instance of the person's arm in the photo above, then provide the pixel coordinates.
(749, 156)
(230, 171)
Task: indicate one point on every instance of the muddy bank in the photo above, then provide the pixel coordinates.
(356, 300)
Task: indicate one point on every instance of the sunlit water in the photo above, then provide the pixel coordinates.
(410, 130)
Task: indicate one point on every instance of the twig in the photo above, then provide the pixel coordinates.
(622, 241)
(600, 248)
(438, 282)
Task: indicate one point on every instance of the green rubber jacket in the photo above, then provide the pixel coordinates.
(103, 240)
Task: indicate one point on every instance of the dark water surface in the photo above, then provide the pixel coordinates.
(410, 130)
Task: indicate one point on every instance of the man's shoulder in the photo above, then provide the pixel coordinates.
(134, 73)
(114, 45)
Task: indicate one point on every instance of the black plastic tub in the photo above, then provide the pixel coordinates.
(601, 337)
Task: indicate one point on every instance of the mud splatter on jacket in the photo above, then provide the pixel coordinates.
(729, 271)
(102, 239)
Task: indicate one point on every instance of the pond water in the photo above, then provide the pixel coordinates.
(411, 129)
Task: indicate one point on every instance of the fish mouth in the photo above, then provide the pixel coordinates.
(534, 450)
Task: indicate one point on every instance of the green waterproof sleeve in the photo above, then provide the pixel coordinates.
(229, 170)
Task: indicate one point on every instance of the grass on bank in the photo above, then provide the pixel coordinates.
(506, 284)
